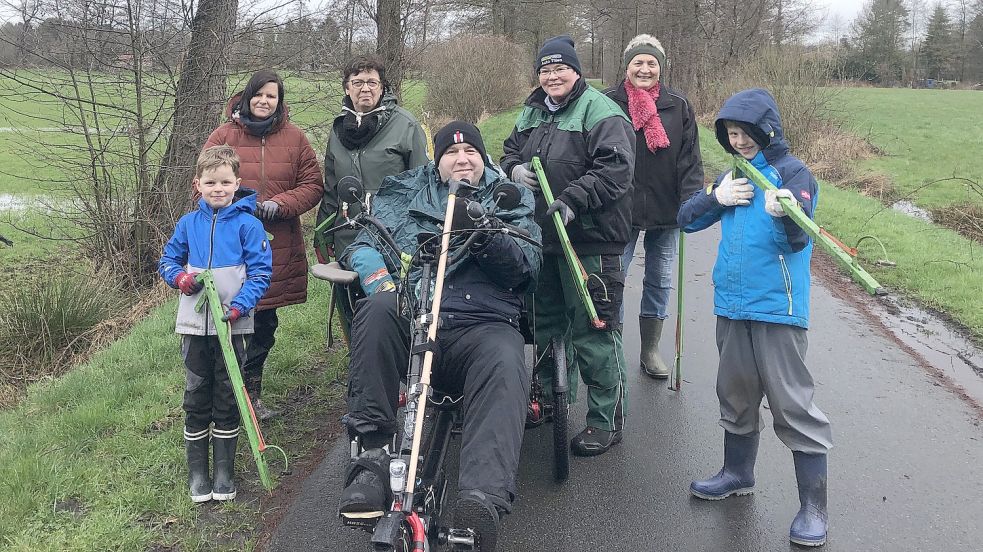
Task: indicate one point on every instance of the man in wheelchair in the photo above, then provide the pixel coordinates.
(479, 349)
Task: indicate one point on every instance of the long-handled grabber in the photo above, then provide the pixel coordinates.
(677, 380)
(577, 271)
(249, 421)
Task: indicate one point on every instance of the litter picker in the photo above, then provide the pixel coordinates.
(742, 167)
(573, 262)
(249, 421)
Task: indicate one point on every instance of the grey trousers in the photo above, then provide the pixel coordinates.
(764, 359)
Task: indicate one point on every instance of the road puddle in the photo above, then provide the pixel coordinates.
(937, 342)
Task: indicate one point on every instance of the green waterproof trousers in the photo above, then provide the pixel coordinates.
(598, 354)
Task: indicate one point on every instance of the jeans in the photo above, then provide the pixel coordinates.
(660, 252)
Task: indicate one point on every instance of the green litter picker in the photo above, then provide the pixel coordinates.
(224, 331)
(573, 262)
(845, 256)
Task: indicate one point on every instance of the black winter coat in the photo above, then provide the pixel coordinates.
(588, 153)
(668, 177)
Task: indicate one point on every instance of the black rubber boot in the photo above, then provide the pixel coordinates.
(476, 512)
(224, 451)
(196, 447)
(366, 494)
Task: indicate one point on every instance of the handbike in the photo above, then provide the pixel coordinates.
(430, 419)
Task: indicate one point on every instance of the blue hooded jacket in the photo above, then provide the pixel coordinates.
(230, 242)
(762, 268)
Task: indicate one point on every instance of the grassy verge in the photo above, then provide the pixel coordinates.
(94, 460)
(926, 135)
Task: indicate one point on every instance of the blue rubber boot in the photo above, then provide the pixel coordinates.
(811, 523)
(737, 475)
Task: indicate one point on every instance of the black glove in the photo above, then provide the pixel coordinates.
(486, 229)
(461, 219)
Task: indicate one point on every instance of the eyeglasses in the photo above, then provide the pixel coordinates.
(550, 72)
(372, 84)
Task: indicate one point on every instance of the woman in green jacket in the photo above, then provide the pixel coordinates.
(371, 138)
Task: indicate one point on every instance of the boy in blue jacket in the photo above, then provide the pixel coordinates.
(224, 237)
(761, 299)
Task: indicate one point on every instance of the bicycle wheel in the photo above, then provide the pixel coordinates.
(561, 446)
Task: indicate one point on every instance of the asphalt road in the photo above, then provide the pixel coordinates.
(906, 472)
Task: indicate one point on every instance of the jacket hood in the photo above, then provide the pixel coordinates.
(433, 193)
(244, 200)
(755, 107)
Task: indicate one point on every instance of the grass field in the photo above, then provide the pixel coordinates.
(927, 135)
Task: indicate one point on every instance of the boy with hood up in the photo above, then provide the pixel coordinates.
(761, 299)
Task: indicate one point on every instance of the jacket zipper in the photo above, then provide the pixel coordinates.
(211, 247)
(262, 162)
(787, 276)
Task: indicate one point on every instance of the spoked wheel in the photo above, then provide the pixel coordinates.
(561, 446)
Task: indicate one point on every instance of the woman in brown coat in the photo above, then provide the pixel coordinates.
(278, 162)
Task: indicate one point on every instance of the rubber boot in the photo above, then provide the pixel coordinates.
(196, 447)
(811, 523)
(651, 333)
(737, 475)
(224, 451)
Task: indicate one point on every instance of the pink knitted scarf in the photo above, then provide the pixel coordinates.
(641, 107)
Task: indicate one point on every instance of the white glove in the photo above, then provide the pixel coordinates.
(734, 191)
(522, 174)
(772, 206)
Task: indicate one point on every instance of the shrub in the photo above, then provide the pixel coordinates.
(799, 84)
(469, 76)
(47, 320)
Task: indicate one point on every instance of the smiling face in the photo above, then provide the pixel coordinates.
(643, 71)
(557, 80)
(740, 141)
(365, 90)
(461, 162)
(263, 104)
(217, 186)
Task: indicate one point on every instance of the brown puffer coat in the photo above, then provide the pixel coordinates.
(281, 166)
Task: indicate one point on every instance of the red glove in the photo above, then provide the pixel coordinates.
(188, 284)
(324, 252)
(231, 315)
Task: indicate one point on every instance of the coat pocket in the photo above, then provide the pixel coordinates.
(606, 287)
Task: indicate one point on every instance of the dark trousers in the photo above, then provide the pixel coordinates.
(208, 395)
(482, 360)
(258, 345)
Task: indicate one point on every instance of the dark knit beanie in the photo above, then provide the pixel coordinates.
(558, 49)
(457, 132)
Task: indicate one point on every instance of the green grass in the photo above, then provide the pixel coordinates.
(927, 135)
(940, 268)
(94, 460)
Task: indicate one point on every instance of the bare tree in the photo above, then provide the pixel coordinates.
(100, 110)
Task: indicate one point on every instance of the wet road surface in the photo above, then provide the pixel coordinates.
(906, 472)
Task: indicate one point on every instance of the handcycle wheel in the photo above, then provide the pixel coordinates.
(561, 446)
